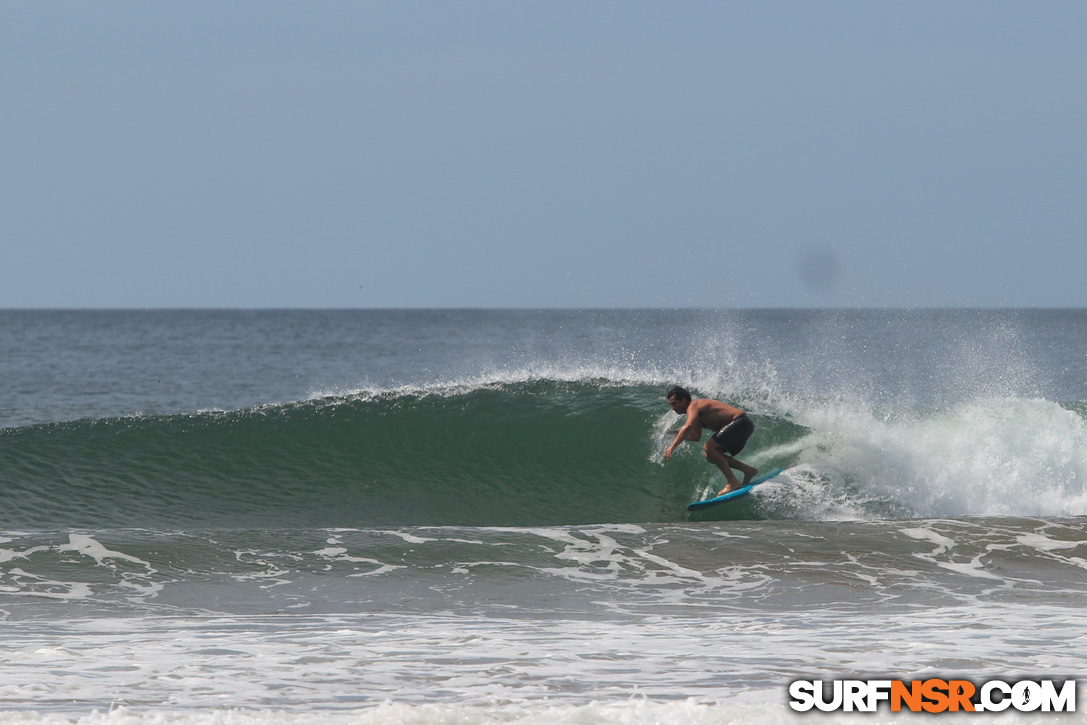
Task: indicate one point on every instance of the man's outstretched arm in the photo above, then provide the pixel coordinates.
(691, 431)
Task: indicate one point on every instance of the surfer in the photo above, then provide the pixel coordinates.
(731, 428)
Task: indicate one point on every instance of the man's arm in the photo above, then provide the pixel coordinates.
(691, 430)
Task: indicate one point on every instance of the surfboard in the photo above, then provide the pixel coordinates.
(731, 495)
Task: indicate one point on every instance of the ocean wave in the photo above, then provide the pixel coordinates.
(528, 451)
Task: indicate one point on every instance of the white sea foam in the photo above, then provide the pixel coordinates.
(443, 669)
(1008, 457)
(87, 546)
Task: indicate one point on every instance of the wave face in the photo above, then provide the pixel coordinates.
(535, 452)
(509, 454)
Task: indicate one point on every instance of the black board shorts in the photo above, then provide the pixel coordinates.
(733, 437)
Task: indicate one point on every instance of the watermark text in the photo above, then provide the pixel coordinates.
(933, 695)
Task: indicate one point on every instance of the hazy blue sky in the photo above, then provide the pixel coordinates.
(543, 154)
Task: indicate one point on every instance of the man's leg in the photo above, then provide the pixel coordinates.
(726, 463)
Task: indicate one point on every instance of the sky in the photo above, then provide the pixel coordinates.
(554, 154)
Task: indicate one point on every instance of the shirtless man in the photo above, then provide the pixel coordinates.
(731, 428)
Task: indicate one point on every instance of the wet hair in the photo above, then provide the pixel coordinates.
(679, 392)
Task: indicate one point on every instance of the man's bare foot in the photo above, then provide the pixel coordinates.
(729, 488)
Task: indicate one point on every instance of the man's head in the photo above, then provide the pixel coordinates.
(679, 399)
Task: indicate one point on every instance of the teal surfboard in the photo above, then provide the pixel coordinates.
(699, 505)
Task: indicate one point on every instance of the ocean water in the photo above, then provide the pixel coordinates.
(465, 516)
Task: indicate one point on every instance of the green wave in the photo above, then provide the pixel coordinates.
(540, 452)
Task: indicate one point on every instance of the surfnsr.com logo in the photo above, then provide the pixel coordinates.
(933, 695)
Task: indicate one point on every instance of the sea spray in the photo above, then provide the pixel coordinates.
(985, 457)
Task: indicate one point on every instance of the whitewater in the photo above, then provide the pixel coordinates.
(465, 516)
